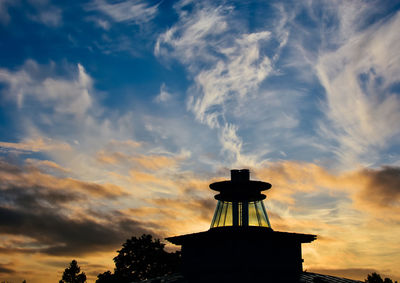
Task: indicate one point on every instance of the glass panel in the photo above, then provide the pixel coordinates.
(247, 214)
(258, 215)
(228, 216)
(253, 221)
(221, 217)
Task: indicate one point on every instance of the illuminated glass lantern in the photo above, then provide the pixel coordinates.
(240, 201)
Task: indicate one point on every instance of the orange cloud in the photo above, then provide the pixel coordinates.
(125, 143)
(141, 177)
(111, 158)
(143, 162)
(372, 190)
(154, 162)
(290, 177)
(45, 165)
(31, 176)
(36, 145)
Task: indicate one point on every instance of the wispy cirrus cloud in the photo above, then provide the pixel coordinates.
(194, 37)
(232, 78)
(39, 11)
(362, 104)
(46, 13)
(235, 65)
(225, 68)
(135, 11)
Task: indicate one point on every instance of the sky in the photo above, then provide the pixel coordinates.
(115, 116)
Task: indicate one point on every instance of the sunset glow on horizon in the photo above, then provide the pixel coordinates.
(115, 116)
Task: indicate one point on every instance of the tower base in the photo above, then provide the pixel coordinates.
(242, 254)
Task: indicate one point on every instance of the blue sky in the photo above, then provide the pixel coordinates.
(127, 110)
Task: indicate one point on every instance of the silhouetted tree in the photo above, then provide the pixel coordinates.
(107, 277)
(139, 259)
(376, 278)
(71, 274)
(143, 258)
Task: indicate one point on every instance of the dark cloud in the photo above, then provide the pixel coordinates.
(8, 167)
(59, 235)
(109, 191)
(23, 189)
(383, 188)
(46, 214)
(4, 269)
(33, 198)
(29, 176)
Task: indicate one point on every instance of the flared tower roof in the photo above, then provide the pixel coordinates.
(240, 187)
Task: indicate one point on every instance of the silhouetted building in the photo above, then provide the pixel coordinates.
(241, 246)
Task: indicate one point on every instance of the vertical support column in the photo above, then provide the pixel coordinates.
(235, 213)
(245, 213)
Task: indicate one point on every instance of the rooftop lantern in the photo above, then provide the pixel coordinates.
(240, 201)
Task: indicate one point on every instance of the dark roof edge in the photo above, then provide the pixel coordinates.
(256, 232)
